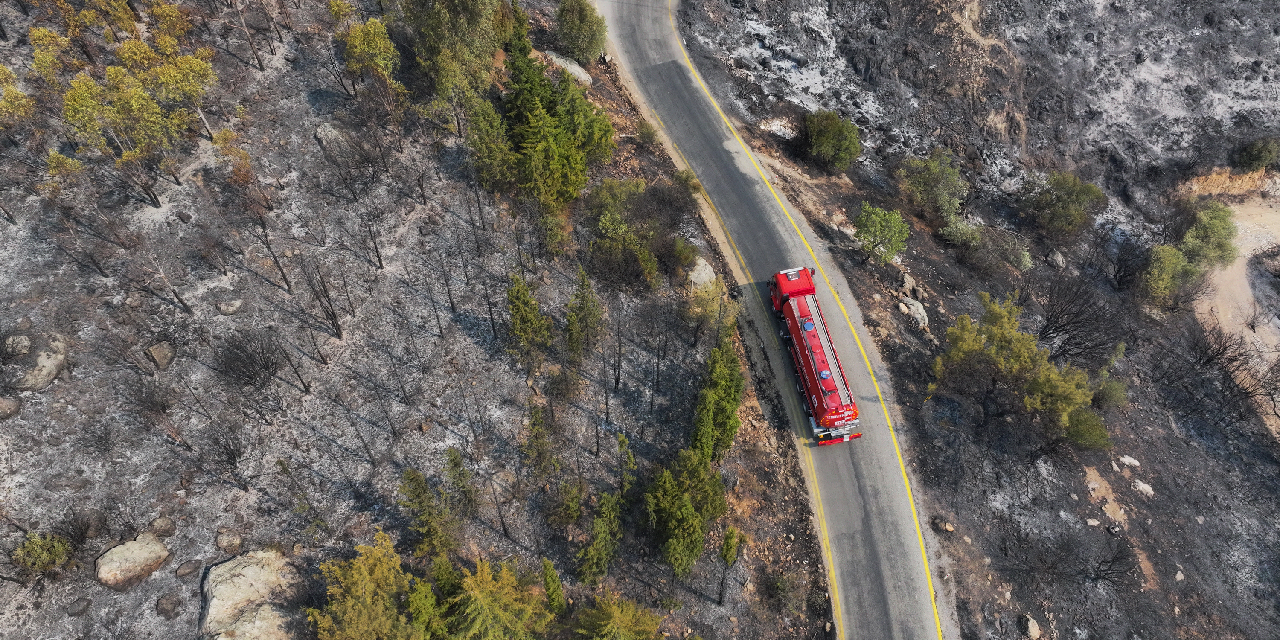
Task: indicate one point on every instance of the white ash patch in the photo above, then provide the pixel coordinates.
(781, 127)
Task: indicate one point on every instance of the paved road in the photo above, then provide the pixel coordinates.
(872, 542)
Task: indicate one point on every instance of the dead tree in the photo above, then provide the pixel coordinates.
(1078, 323)
(250, 358)
(263, 227)
(318, 284)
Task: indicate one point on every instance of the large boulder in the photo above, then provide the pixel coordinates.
(37, 370)
(123, 566)
(9, 407)
(702, 273)
(238, 596)
(572, 67)
(913, 308)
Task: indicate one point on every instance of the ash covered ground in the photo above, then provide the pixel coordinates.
(1172, 532)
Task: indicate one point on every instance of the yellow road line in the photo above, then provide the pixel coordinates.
(902, 467)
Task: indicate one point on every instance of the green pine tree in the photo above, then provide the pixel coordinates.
(530, 329)
(432, 518)
(493, 606)
(583, 318)
(606, 534)
(555, 590)
(369, 598)
(616, 618)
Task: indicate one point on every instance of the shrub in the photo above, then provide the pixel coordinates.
(934, 184)
(581, 30)
(1167, 271)
(1111, 394)
(1258, 154)
(1210, 242)
(883, 233)
(1064, 204)
(1085, 429)
(41, 553)
(250, 358)
(646, 133)
(833, 141)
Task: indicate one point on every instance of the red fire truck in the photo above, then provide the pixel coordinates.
(833, 414)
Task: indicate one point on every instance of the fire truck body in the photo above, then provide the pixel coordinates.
(833, 412)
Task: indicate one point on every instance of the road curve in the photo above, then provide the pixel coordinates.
(873, 545)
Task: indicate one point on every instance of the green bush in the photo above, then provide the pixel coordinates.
(1085, 429)
(40, 553)
(1064, 204)
(833, 141)
(1111, 394)
(961, 233)
(883, 233)
(646, 133)
(934, 184)
(1210, 242)
(1167, 271)
(1258, 154)
(582, 30)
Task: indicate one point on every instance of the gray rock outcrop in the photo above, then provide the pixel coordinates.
(572, 67)
(913, 308)
(702, 273)
(123, 566)
(238, 597)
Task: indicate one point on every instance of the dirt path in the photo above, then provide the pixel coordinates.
(1235, 293)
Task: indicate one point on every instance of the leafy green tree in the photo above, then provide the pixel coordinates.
(1258, 154)
(833, 141)
(583, 318)
(715, 423)
(555, 590)
(934, 184)
(883, 233)
(494, 606)
(432, 519)
(41, 553)
(1166, 273)
(371, 597)
(15, 106)
(369, 52)
(1064, 204)
(606, 534)
(616, 618)
(1010, 372)
(47, 53)
(1210, 242)
(581, 30)
(530, 329)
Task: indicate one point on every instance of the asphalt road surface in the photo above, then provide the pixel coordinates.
(872, 542)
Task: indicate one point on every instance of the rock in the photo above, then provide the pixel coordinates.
(572, 67)
(1143, 488)
(163, 527)
(15, 346)
(238, 592)
(230, 308)
(916, 310)
(183, 216)
(1129, 461)
(1092, 522)
(228, 541)
(1030, 627)
(169, 606)
(78, 607)
(1179, 577)
(702, 273)
(128, 564)
(1057, 260)
(9, 407)
(48, 364)
(187, 568)
(162, 354)
(908, 283)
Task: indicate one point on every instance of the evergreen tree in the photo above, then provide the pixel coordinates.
(606, 534)
(555, 590)
(729, 548)
(582, 30)
(551, 169)
(493, 606)
(454, 41)
(15, 106)
(1167, 271)
(616, 618)
(530, 330)
(587, 125)
(431, 517)
(369, 598)
(716, 420)
(492, 156)
(583, 318)
(883, 233)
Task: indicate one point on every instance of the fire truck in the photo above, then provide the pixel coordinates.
(833, 414)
